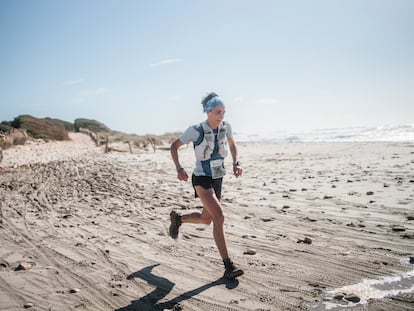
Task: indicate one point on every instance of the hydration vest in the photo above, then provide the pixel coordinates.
(204, 146)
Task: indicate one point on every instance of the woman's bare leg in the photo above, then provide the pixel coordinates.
(212, 212)
(212, 207)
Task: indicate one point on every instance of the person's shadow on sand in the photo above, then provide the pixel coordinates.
(163, 288)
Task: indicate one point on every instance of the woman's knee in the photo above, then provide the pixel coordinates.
(215, 214)
(212, 206)
(218, 219)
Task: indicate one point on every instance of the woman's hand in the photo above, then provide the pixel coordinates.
(182, 174)
(237, 170)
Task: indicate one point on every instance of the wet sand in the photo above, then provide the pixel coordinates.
(305, 219)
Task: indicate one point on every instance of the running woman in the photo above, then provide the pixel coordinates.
(211, 139)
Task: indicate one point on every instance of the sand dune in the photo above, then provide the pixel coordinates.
(305, 219)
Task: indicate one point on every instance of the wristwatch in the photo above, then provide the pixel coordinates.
(237, 163)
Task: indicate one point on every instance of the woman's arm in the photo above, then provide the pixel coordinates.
(181, 173)
(237, 170)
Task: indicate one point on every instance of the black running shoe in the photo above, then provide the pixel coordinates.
(232, 272)
(175, 224)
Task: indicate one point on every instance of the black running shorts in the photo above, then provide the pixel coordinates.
(207, 183)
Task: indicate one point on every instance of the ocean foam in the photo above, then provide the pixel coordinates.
(400, 133)
(368, 289)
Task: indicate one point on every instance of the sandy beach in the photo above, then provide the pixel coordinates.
(85, 230)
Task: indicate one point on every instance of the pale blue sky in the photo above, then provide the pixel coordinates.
(143, 66)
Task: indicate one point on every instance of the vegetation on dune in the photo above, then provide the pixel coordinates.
(47, 129)
(102, 135)
(70, 127)
(5, 126)
(92, 125)
(23, 127)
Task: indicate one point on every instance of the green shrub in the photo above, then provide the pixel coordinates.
(5, 126)
(41, 128)
(67, 125)
(92, 125)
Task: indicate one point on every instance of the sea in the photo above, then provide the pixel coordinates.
(390, 133)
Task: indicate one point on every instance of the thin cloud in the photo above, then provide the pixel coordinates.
(73, 82)
(98, 91)
(167, 62)
(83, 95)
(267, 101)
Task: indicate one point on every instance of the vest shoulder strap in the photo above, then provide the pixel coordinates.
(199, 128)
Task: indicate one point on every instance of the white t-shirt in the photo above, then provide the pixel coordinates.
(192, 134)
